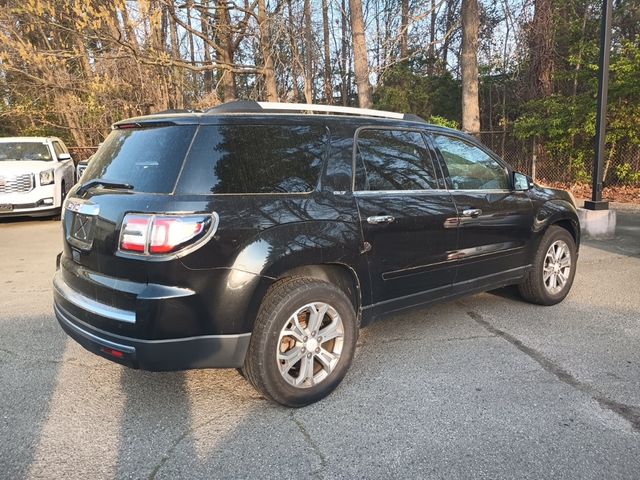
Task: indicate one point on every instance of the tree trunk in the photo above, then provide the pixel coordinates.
(432, 39)
(226, 53)
(308, 53)
(295, 60)
(449, 20)
(469, 65)
(177, 77)
(404, 29)
(344, 46)
(271, 86)
(328, 84)
(204, 27)
(541, 49)
(360, 58)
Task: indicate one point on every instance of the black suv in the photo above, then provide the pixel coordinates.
(263, 236)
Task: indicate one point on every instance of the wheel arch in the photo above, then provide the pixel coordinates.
(338, 274)
(570, 226)
(560, 213)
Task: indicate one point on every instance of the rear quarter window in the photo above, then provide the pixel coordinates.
(255, 159)
(147, 158)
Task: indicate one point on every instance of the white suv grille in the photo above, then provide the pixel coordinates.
(16, 183)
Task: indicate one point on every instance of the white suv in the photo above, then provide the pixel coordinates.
(35, 175)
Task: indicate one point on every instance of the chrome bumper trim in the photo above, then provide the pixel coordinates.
(79, 300)
(62, 316)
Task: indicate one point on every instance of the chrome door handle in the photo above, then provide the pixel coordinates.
(472, 212)
(378, 219)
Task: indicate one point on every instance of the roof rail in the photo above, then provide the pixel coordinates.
(312, 108)
(247, 106)
(177, 110)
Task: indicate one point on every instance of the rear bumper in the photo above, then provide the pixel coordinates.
(207, 351)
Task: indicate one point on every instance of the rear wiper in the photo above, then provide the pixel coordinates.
(104, 184)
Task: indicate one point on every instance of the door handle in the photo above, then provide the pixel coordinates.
(472, 212)
(379, 219)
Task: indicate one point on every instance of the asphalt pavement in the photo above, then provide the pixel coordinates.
(485, 387)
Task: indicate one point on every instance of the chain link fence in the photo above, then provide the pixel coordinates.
(621, 167)
(81, 153)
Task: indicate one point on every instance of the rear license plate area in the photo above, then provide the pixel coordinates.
(81, 234)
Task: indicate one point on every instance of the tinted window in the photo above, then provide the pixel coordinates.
(24, 151)
(393, 160)
(147, 158)
(255, 159)
(469, 167)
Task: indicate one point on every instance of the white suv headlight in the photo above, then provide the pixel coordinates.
(47, 177)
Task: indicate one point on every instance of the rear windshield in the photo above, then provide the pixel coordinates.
(147, 158)
(255, 159)
(24, 151)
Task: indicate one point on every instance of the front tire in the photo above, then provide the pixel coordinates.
(302, 343)
(554, 267)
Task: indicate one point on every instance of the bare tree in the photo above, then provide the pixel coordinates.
(271, 86)
(226, 50)
(360, 57)
(541, 49)
(404, 29)
(308, 52)
(328, 81)
(469, 66)
(344, 61)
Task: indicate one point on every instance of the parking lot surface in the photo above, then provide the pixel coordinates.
(484, 387)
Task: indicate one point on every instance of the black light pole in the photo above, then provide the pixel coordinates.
(596, 202)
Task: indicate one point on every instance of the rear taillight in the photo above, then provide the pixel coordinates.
(163, 234)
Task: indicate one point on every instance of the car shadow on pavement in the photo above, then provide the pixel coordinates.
(13, 220)
(29, 371)
(430, 391)
(425, 386)
(156, 417)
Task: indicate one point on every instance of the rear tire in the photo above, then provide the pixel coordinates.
(554, 267)
(288, 359)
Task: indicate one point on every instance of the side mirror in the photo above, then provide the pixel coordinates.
(522, 182)
(64, 156)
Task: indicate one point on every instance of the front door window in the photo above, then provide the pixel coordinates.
(470, 168)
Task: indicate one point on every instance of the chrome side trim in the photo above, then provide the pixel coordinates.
(94, 338)
(358, 193)
(90, 305)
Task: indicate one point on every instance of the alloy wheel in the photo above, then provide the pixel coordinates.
(557, 267)
(310, 345)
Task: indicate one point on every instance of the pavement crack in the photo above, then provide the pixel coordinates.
(630, 413)
(172, 449)
(311, 442)
(168, 454)
(472, 337)
(9, 352)
(385, 341)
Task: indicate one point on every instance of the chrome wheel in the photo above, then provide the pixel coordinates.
(310, 345)
(557, 267)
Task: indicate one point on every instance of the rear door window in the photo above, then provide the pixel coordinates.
(393, 159)
(147, 158)
(255, 159)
